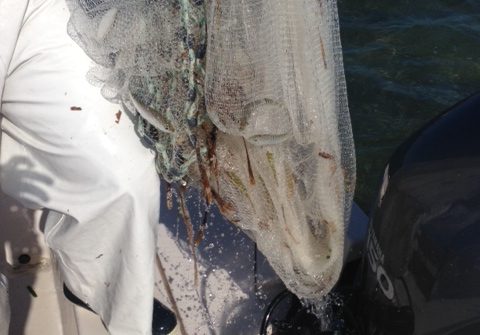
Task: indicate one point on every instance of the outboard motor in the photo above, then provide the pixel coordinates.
(420, 272)
(421, 268)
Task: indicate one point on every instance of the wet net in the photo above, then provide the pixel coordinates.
(246, 101)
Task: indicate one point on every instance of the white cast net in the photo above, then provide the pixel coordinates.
(245, 100)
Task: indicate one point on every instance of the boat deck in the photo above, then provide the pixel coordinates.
(235, 281)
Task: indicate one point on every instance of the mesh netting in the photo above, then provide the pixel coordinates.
(151, 58)
(245, 100)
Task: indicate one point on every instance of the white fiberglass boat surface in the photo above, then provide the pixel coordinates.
(235, 283)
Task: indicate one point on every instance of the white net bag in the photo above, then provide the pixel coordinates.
(275, 78)
(245, 100)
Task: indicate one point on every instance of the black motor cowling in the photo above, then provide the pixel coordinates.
(421, 268)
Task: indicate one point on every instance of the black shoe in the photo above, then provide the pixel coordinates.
(164, 320)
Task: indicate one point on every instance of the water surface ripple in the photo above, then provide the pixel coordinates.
(405, 62)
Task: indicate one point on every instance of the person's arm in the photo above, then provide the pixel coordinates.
(91, 171)
(11, 18)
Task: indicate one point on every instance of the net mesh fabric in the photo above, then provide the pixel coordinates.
(262, 110)
(151, 58)
(275, 78)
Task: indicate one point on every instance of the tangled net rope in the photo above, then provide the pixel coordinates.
(246, 101)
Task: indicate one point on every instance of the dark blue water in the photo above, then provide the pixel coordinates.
(405, 62)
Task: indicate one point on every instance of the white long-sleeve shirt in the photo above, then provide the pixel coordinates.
(63, 148)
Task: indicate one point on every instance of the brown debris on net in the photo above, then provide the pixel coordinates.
(252, 112)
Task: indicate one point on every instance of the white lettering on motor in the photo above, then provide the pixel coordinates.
(375, 259)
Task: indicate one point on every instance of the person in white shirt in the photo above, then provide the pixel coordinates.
(95, 177)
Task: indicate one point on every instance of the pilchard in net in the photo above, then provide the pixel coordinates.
(246, 101)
